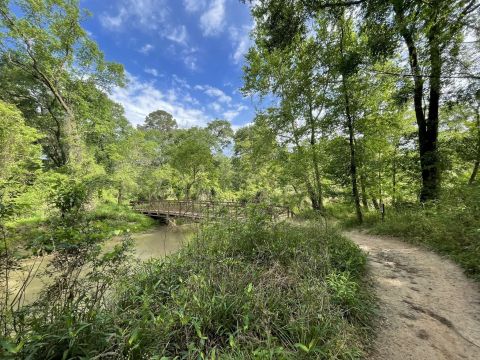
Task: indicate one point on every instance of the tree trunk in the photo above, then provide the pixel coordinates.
(375, 204)
(314, 200)
(427, 128)
(315, 195)
(473, 177)
(353, 164)
(120, 195)
(476, 165)
(187, 191)
(364, 190)
(430, 168)
(316, 169)
(351, 139)
(394, 177)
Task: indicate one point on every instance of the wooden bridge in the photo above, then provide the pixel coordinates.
(205, 210)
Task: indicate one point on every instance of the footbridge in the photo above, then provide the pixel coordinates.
(205, 210)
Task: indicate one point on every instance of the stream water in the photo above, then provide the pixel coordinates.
(155, 243)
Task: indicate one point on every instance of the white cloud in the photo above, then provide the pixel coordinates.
(145, 49)
(189, 57)
(146, 15)
(178, 35)
(231, 114)
(240, 37)
(214, 92)
(143, 14)
(216, 106)
(212, 21)
(140, 98)
(153, 72)
(181, 82)
(194, 5)
(152, 16)
(113, 22)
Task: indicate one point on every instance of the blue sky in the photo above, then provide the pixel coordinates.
(182, 56)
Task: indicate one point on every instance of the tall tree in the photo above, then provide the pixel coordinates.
(298, 75)
(430, 31)
(45, 42)
(160, 120)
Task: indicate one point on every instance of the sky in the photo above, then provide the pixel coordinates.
(181, 56)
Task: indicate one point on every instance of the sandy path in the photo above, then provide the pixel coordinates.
(429, 310)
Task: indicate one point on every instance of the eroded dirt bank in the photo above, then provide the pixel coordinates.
(428, 308)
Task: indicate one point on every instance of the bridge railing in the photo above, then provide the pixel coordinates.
(205, 209)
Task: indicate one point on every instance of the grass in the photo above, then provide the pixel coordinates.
(450, 227)
(119, 218)
(241, 290)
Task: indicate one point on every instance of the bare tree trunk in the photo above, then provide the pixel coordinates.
(120, 195)
(394, 177)
(363, 180)
(427, 127)
(473, 177)
(430, 168)
(315, 198)
(476, 165)
(353, 164)
(316, 169)
(351, 139)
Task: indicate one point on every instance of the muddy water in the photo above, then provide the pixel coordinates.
(156, 243)
(160, 241)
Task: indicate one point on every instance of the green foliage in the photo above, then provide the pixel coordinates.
(251, 289)
(119, 218)
(161, 121)
(19, 158)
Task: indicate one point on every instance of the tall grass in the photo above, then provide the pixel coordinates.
(241, 290)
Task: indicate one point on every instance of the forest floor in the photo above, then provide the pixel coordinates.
(428, 308)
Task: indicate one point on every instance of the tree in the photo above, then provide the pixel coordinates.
(221, 132)
(431, 32)
(46, 46)
(190, 154)
(160, 120)
(298, 75)
(130, 156)
(256, 163)
(348, 67)
(20, 155)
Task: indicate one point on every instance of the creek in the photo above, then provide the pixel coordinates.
(155, 243)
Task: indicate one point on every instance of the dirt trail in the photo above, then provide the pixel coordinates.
(429, 310)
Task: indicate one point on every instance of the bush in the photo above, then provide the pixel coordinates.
(253, 289)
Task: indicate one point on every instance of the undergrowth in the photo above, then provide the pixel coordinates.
(241, 290)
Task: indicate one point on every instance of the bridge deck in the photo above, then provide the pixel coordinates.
(199, 210)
